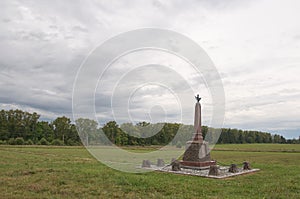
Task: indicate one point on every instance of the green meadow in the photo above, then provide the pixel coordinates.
(71, 172)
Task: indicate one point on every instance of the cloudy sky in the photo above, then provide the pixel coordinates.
(255, 46)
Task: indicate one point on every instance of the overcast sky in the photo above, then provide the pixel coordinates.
(255, 46)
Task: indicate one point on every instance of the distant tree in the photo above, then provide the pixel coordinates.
(250, 139)
(17, 123)
(131, 133)
(62, 128)
(278, 139)
(87, 130)
(44, 129)
(73, 136)
(110, 130)
(241, 138)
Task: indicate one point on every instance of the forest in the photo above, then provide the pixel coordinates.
(19, 127)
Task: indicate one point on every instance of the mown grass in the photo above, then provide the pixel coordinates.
(259, 147)
(71, 172)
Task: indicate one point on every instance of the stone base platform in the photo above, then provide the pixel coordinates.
(197, 164)
(223, 171)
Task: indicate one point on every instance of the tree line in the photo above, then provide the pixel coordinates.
(19, 127)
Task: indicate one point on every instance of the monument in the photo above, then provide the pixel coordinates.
(196, 158)
(197, 152)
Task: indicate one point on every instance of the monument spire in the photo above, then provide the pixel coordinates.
(197, 153)
(197, 121)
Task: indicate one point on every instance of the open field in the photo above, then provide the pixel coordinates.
(259, 147)
(71, 172)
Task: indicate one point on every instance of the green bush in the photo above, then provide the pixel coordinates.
(43, 141)
(155, 142)
(3, 142)
(57, 142)
(11, 141)
(29, 142)
(71, 142)
(19, 141)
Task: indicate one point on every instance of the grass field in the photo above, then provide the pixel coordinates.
(71, 172)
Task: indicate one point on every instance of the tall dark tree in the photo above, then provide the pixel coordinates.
(62, 128)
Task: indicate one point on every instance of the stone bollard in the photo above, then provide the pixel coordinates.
(233, 168)
(176, 165)
(160, 163)
(213, 170)
(146, 163)
(246, 166)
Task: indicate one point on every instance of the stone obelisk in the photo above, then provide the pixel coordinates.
(197, 122)
(197, 150)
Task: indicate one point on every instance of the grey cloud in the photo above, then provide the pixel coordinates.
(297, 37)
(80, 29)
(256, 101)
(42, 45)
